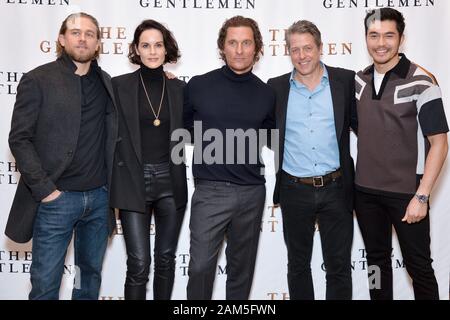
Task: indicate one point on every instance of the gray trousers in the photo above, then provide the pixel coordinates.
(219, 210)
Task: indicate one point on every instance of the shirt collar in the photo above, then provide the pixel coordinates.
(401, 68)
(324, 80)
(68, 62)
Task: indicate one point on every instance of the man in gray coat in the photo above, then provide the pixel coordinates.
(62, 136)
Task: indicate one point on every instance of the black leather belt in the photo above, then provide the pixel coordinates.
(318, 181)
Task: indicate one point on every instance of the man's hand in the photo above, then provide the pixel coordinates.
(415, 211)
(52, 196)
(170, 75)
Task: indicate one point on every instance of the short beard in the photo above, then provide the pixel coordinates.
(81, 59)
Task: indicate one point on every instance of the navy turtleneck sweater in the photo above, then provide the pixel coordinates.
(155, 141)
(221, 100)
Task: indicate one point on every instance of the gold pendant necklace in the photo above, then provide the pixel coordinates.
(156, 122)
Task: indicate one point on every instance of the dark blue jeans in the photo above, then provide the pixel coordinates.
(84, 215)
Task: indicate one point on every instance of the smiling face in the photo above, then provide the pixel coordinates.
(80, 40)
(239, 49)
(151, 48)
(305, 54)
(383, 42)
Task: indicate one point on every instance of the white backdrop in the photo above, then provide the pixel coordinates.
(28, 30)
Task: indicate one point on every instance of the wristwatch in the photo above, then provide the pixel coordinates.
(422, 198)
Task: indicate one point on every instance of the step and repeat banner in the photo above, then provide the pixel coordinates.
(29, 29)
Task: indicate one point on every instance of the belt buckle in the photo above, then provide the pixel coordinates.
(318, 182)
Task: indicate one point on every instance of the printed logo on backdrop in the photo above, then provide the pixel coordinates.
(114, 42)
(277, 47)
(9, 80)
(277, 295)
(354, 4)
(9, 174)
(15, 262)
(119, 230)
(360, 263)
(39, 2)
(199, 4)
(182, 266)
(272, 223)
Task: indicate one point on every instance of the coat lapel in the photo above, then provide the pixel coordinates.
(282, 105)
(108, 86)
(174, 101)
(129, 98)
(281, 86)
(337, 95)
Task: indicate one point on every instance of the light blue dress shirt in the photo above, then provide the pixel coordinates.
(310, 147)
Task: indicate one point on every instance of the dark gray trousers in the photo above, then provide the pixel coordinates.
(218, 210)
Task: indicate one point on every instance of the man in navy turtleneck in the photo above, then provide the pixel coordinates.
(229, 187)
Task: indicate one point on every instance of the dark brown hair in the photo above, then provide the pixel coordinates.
(240, 21)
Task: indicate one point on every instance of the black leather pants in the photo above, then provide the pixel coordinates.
(136, 231)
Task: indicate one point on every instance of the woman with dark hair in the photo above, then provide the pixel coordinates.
(145, 179)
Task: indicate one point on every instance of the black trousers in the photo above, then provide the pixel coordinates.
(136, 231)
(219, 210)
(302, 206)
(376, 214)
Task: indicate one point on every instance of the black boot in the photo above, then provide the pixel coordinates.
(135, 292)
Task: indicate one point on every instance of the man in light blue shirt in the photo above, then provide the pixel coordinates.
(315, 111)
(310, 145)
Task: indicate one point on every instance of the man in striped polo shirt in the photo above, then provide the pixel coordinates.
(402, 145)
